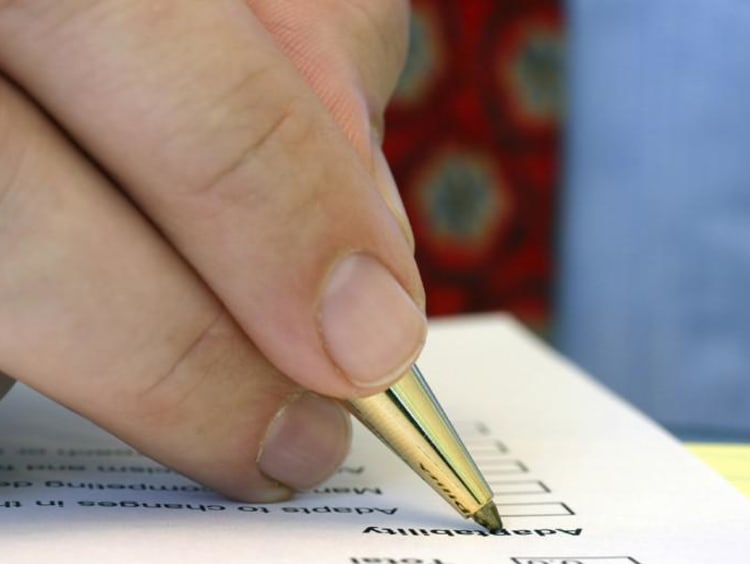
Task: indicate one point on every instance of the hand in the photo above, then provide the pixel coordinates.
(197, 224)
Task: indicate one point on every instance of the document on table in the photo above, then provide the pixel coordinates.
(579, 477)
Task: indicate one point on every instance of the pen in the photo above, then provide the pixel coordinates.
(409, 420)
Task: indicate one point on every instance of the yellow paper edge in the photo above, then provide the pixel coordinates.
(730, 460)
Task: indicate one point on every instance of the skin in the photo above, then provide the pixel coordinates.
(200, 239)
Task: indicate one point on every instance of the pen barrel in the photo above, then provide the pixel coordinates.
(410, 421)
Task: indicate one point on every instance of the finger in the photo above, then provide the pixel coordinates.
(220, 140)
(98, 313)
(351, 52)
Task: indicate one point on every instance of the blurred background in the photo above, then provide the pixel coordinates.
(472, 135)
(585, 166)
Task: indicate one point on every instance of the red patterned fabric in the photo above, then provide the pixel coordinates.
(472, 137)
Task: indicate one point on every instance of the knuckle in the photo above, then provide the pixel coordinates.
(161, 399)
(211, 376)
(275, 134)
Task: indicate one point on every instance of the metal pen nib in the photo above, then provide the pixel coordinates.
(488, 517)
(409, 420)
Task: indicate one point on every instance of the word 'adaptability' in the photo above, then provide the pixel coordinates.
(471, 532)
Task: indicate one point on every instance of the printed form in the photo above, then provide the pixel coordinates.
(579, 477)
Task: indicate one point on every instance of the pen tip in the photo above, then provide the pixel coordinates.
(488, 517)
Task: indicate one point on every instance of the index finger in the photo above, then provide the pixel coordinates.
(191, 107)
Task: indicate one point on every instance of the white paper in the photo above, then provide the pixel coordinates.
(579, 476)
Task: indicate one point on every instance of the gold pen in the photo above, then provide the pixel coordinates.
(410, 421)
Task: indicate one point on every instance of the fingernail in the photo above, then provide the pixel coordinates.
(372, 328)
(305, 442)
